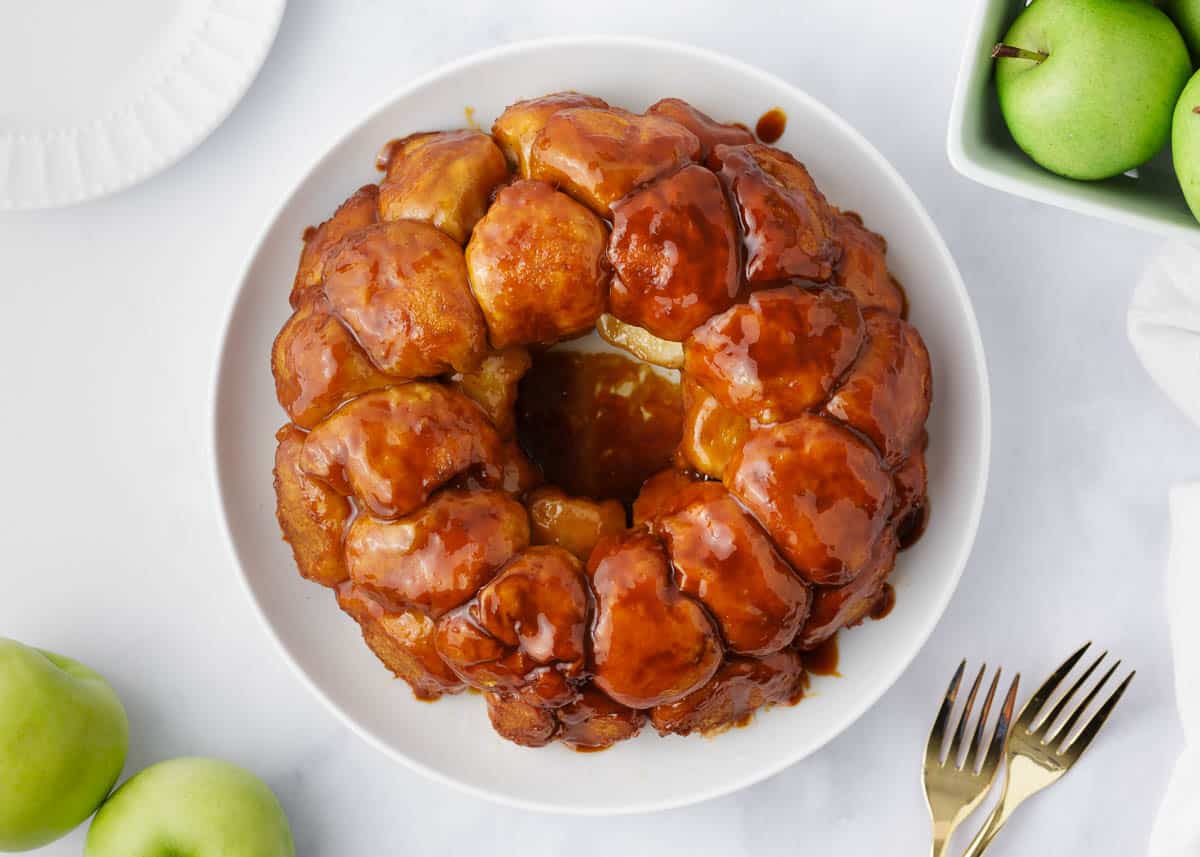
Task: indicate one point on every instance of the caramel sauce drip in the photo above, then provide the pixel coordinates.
(823, 660)
(884, 604)
(771, 125)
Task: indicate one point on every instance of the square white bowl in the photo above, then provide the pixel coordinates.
(981, 148)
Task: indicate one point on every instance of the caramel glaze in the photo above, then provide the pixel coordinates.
(789, 316)
(674, 248)
(630, 580)
(787, 225)
(599, 154)
(884, 603)
(740, 687)
(598, 424)
(778, 355)
(823, 660)
(438, 557)
(709, 131)
(536, 265)
(392, 448)
(771, 125)
(722, 558)
(443, 178)
(573, 523)
(524, 632)
(828, 528)
(402, 289)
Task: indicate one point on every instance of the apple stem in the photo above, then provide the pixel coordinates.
(1196, 109)
(1003, 51)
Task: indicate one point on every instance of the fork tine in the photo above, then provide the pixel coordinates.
(1075, 749)
(1034, 705)
(1087, 700)
(1045, 726)
(972, 760)
(1000, 736)
(956, 741)
(933, 748)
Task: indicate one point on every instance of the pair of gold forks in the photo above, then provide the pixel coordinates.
(1036, 754)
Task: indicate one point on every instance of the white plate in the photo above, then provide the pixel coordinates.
(98, 96)
(451, 740)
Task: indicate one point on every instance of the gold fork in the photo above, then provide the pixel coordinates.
(953, 788)
(1036, 754)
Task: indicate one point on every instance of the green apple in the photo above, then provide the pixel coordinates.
(1087, 87)
(1186, 15)
(194, 807)
(63, 738)
(1185, 143)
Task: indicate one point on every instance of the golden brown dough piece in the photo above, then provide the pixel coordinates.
(596, 722)
(660, 495)
(819, 490)
(599, 154)
(520, 722)
(524, 632)
(402, 638)
(712, 433)
(317, 364)
(440, 555)
(912, 506)
(356, 212)
(573, 523)
(591, 722)
(536, 266)
(513, 474)
(709, 131)
(402, 288)
(887, 394)
(788, 225)
(839, 607)
(862, 269)
(630, 579)
(392, 448)
(444, 178)
(674, 248)
(640, 342)
(520, 123)
(723, 559)
(778, 355)
(741, 687)
(312, 516)
(493, 386)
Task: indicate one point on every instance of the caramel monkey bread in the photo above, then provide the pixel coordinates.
(664, 524)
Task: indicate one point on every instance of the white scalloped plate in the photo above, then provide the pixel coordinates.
(451, 740)
(102, 95)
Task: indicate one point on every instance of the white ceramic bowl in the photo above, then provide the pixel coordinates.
(981, 148)
(451, 741)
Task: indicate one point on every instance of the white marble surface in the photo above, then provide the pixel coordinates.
(110, 549)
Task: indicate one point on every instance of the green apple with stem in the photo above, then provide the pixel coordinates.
(63, 739)
(193, 806)
(1087, 87)
(1185, 143)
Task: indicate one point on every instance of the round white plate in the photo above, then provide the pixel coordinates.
(451, 740)
(101, 95)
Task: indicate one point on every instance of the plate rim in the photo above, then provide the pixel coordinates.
(966, 544)
(84, 189)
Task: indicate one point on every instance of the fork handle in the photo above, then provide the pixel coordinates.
(995, 820)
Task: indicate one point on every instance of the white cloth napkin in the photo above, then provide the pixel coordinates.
(1177, 829)
(1164, 327)
(1164, 324)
